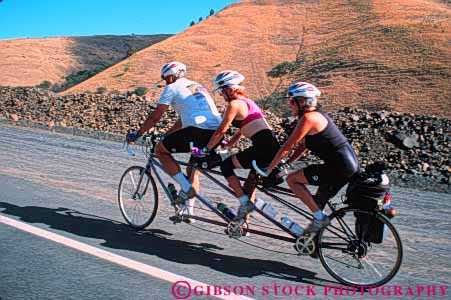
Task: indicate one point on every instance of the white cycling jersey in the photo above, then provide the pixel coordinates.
(193, 103)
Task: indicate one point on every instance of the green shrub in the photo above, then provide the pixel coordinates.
(56, 88)
(277, 103)
(131, 51)
(140, 91)
(76, 78)
(282, 69)
(101, 90)
(44, 85)
(115, 92)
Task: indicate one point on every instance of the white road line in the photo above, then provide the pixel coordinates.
(123, 261)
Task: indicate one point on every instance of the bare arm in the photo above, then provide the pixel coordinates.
(229, 115)
(298, 134)
(235, 138)
(153, 119)
(175, 127)
(300, 151)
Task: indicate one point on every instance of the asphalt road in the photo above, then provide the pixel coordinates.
(67, 185)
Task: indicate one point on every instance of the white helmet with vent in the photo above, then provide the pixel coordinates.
(306, 90)
(228, 78)
(173, 68)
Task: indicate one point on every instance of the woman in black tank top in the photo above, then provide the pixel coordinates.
(316, 132)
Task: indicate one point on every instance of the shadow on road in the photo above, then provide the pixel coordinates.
(157, 242)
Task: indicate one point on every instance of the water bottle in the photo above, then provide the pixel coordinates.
(266, 208)
(172, 191)
(228, 212)
(292, 226)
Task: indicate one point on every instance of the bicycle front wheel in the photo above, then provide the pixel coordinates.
(138, 197)
(360, 248)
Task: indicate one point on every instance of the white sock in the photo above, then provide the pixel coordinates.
(318, 214)
(243, 199)
(190, 205)
(184, 183)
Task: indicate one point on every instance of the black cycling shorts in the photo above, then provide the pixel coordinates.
(333, 175)
(264, 148)
(179, 141)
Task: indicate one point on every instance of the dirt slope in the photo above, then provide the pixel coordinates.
(372, 54)
(27, 62)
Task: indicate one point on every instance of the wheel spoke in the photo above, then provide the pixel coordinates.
(138, 197)
(365, 262)
(371, 260)
(133, 180)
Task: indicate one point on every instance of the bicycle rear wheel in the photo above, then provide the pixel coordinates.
(353, 257)
(138, 197)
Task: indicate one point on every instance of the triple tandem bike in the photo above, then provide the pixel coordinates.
(345, 255)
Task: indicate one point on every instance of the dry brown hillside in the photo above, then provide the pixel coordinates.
(27, 62)
(376, 54)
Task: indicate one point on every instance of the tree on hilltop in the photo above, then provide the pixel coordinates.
(212, 12)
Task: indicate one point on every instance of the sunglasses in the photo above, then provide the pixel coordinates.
(221, 90)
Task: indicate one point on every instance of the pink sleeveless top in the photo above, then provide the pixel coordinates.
(254, 113)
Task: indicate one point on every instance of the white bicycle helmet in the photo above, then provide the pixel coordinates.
(173, 68)
(306, 90)
(303, 89)
(228, 78)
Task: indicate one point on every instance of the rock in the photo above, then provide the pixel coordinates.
(403, 140)
(51, 124)
(425, 150)
(410, 142)
(355, 118)
(14, 117)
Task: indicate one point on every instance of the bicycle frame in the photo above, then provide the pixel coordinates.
(349, 243)
(153, 165)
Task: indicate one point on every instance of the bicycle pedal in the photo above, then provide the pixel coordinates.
(175, 219)
(187, 219)
(236, 229)
(245, 234)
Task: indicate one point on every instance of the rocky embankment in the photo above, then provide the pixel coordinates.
(415, 147)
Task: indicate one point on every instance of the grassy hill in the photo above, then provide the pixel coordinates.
(27, 62)
(372, 54)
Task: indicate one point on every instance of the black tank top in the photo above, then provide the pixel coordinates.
(326, 143)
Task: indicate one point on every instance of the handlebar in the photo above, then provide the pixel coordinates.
(198, 152)
(147, 143)
(195, 151)
(282, 167)
(258, 170)
(130, 152)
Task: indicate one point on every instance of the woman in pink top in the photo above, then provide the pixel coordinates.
(247, 116)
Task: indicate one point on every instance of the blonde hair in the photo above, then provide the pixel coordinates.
(240, 92)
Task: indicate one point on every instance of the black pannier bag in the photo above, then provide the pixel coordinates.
(369, 191)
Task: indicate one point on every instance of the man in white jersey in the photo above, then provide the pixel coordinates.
(198, 120)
